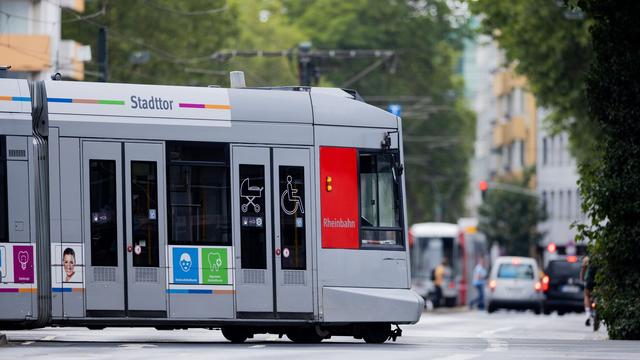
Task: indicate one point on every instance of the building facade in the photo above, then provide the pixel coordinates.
(30, 40)
(514, 128)
(558, 189)
(511, 136)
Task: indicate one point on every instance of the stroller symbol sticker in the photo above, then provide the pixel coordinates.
(250, 194)
(290, 196)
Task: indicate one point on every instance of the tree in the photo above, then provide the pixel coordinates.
(611, 187)
(172, 38)
(181, 36)
(550, 43)
(510, 218)
(439, 138)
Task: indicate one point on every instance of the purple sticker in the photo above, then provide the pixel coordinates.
(23, 264)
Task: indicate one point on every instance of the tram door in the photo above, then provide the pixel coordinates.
(272, 197)
(124, 224)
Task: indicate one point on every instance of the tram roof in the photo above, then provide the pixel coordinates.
(15, 107)
(176, 104)
(434, 229)
(14, 96)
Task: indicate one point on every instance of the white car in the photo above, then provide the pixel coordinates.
(514, 283)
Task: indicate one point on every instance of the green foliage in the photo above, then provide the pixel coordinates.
(611, 186)
(510, 217)
(438, 144)
(179, 36)
(274, 32)
(551, 47)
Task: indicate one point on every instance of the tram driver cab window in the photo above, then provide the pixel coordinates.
(380, 206)
(199, 193)
(4, 213)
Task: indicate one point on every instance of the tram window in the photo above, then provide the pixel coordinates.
(253, 245)
(144, 212)
(199, 193)
(104, 225)
(292, 223)
(380, 222)
(4, 215)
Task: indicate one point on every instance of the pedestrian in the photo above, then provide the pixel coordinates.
(479, 279)
(588, 276)
(438, 280)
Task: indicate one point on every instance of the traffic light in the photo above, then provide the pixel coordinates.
(484, 186)
(552, 247)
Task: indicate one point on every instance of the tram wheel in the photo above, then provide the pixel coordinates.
(491, 309)
(235, 335)
(304, 336)
(376, 334)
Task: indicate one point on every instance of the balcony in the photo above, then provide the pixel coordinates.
(75, 5)
(29, 53)
(515, 129)
(71, 57)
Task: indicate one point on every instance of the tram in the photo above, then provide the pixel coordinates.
(250, 210)
(460, 244)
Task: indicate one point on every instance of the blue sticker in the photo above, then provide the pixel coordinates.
(185, 266)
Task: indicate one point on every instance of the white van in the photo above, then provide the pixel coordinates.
(514, 283)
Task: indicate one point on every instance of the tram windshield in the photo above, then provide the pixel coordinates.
(379, 200)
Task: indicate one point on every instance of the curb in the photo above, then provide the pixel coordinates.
(3, 340)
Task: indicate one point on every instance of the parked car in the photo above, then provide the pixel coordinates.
(562, 287)
(514, 283)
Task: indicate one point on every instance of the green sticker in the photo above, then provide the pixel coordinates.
(214, 266)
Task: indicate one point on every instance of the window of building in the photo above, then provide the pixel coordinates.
(552, 203)
(199, 193)
(522, 153)
(560, 205)
(507, 158)
(569, 205)
(544, 202)
(560, 149)
(380, 206)
(552, 153)
(544, 151)
(4, 212)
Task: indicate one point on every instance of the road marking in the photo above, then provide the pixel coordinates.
(48, 338)
(27, 343)
(458, 357)
(137, 346)
(257, 346)
(496, 345)
(490, 333)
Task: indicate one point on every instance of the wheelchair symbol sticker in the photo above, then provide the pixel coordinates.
(290, 202)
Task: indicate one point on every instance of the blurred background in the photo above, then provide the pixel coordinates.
(481, 154)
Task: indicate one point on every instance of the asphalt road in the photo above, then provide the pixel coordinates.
(458, 335)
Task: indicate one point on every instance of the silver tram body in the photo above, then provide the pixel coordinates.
(251, 210)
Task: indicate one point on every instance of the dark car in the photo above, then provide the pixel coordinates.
(563, 289)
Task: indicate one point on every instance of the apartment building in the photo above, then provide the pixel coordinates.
(558, 189)
(30, 39)
(514, 128)
(511, 136)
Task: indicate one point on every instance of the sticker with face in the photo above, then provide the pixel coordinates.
(185, 262)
